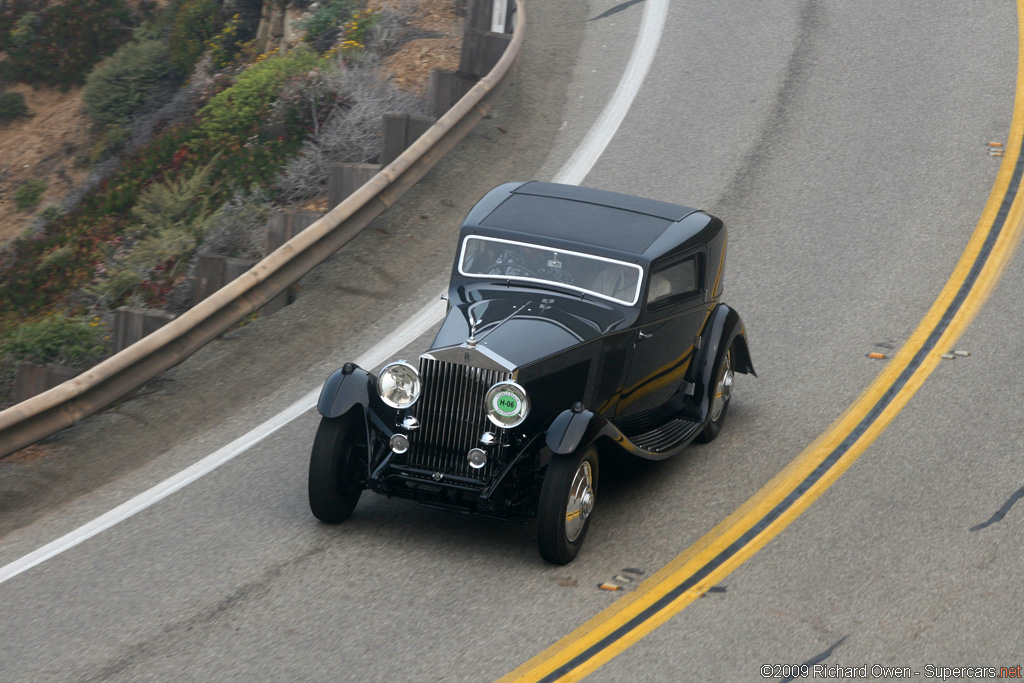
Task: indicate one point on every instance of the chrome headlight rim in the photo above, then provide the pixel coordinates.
(502, 413)
(405, 367)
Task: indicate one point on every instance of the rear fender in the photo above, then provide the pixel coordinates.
(724, 328)
(347, 386)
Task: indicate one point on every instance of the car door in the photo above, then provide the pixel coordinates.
(664, 342)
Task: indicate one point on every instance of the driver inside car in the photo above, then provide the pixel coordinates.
(531, 262)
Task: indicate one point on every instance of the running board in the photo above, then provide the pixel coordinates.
(671, 435)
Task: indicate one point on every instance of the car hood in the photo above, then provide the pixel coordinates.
(525, 326)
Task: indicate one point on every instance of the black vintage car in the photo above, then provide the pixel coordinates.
(579, 322)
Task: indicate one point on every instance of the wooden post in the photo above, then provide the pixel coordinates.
(481, 50)
(400, 131)
(478, 14)
(344, 179)
(132, 324)
(445, 89)
(32, 380)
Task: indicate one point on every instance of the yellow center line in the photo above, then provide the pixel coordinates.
(802, 481)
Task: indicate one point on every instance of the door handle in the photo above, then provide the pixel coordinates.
(644, 336)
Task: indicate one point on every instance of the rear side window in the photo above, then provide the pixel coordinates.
(674, 282)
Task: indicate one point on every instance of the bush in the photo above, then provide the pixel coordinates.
(239, 228)
(326, 21)
(75, 342)
(120, 87)
(172, 218)
(195, 23)
(12, 107)
(353, 100)
(236, 113)
(12, 12)
(60, 44)
(111, 143)
(28, 195)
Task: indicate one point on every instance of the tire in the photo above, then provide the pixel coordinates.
(721, 393)
(335, 468)
(570, 486)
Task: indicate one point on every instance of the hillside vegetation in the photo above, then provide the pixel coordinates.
(200, 121)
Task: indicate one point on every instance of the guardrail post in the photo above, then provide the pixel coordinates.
(209, 277)
(132, 324)
(478, 14)
(488, 15)
(481, 50)
(214, 271)
(32, 379)
(446, 88)
(285, 224)
(344, 179)
(400, 131)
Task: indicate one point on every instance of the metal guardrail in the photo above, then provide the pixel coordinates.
(64, 405)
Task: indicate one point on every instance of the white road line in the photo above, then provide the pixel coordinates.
(604, 129)
(574, 171)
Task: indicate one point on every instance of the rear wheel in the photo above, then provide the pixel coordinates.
(567, 498)
(335, 468)
(721, 392)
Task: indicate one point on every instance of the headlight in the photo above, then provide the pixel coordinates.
(398, 384)
(507, 404)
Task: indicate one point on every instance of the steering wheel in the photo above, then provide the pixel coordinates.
(504, 268)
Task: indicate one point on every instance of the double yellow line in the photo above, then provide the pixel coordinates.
(792, 491)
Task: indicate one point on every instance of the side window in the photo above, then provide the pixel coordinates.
(674, 282)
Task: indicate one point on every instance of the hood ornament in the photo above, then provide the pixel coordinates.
(473, 322)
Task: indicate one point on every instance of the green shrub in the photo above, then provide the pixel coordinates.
(28, 195)
(195, 22)
(119, 88)
(12, 107)
(326, 23)
(13, 11)
(110, 143)
(182, 204)
(60, 44)
(56, 339)
(51, 214)
(172, 218)
(236, 113)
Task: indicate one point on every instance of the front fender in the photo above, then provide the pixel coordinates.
(723, 330)
(573, 428)
(347, 386)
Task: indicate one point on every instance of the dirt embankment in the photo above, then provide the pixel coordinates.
(42, 147)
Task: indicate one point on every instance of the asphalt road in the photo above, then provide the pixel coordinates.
(844, 145)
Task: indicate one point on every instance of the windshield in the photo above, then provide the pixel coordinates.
(601, 277)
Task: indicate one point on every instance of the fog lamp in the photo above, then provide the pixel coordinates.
(399, 443)
(477, 458)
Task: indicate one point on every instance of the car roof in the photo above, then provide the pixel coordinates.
(606, 223)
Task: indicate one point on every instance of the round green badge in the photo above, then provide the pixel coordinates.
(506, 403)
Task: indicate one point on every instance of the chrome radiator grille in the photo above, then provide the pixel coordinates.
(452, 418)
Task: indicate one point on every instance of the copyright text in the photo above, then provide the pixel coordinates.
(929, 671)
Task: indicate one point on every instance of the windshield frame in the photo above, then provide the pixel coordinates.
(551, 283)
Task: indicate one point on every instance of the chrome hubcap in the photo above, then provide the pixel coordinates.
(581, 501)
(723, 388)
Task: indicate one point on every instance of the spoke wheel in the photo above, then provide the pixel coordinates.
(335, 468)
(567, 499)
(721, 392)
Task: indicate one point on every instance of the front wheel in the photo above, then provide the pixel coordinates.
(335, 468)
(721, 393)
(567, 498)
